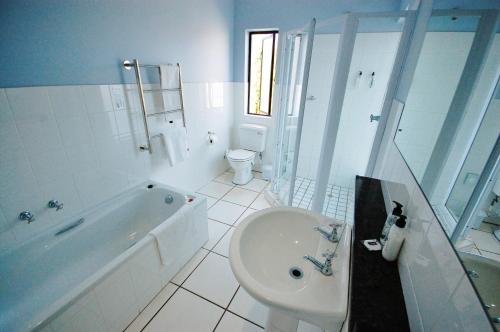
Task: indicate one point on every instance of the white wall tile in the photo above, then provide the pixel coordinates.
(49, 165)
(103, 125)
(39, 136)
(97, 98)
(29, 104)
(67, 101)
(5, 112)
(75, 130)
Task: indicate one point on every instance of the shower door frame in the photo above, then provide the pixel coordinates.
(337, 94)
(285, 74)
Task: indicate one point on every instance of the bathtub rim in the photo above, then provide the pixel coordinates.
(44, 317)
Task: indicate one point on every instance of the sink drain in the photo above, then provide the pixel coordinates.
(296, 272)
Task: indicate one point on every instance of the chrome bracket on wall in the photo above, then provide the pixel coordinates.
(140, 88)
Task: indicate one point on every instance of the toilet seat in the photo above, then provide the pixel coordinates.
(240, 155)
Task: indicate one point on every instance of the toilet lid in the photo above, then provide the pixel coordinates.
(240, 154)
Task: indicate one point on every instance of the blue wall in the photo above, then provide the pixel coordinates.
(290, 14)
(60, 42)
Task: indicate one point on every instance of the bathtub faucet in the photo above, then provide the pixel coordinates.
(27, 215)
(55, 204)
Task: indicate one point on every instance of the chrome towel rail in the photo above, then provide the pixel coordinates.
(140, 87)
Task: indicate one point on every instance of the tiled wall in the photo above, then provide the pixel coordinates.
(361, 100)
(438, 294)
(78, 144)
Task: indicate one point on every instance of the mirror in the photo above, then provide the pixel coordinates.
(448, 135)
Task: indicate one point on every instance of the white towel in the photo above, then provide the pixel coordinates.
(169, 79)
(176, 144)
(171, 234)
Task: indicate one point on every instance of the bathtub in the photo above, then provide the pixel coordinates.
(99, 272)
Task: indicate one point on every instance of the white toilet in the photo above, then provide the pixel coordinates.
(252, 141)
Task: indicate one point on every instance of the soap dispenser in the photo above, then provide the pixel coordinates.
(396, 212)
(395, 239)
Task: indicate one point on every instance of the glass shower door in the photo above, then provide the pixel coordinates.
(295, 70)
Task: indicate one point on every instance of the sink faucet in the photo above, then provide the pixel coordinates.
(330, 236)
(326, 267)
(55, 204)
(27, 215)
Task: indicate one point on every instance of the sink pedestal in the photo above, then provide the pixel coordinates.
(279, 321)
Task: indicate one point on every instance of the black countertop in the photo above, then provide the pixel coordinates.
(377, 302)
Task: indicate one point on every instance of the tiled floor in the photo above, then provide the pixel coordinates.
(339, 203)
(204, 295)
(485, 242)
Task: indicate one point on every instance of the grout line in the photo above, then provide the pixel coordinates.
(161, 307)
(248, 320)
(225, 310)
(178, 286)
(190, 291)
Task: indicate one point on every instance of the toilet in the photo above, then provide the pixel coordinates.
(252, 142)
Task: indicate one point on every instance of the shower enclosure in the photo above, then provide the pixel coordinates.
(335, 78)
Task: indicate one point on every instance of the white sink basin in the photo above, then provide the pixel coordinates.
(268, 243)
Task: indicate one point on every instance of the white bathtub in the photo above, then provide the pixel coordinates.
(99, 275)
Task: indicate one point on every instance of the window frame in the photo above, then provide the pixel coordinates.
(275, 33)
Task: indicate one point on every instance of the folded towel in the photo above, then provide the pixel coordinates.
(169, 79)
(171, 234)
(174, 139)
(177, 144)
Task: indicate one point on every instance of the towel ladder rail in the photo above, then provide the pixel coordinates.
(140, 87)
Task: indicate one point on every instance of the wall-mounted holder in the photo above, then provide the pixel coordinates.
(137, 67)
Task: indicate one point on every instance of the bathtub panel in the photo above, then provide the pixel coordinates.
(84, 315)
(145, 271)
(116, 298)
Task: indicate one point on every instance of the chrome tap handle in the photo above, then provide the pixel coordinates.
(55, 204)
(27, 215)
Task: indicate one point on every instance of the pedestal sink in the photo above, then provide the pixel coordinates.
(266, 255)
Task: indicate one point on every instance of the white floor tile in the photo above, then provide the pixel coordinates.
(215, 189)
(210, 200)
(260, 203)
(246, 306)
(257, 175)
(189, 267)
(213, 280)
(245, 214)
(215, 231)
(223, 246)
(485, 241)
(240, 196)
(186, 312)
(255, 185)
(306, 327)
(153, 307)
(226, 178)
(226, 212)
(233, 323)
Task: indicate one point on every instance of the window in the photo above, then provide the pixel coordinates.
(262, 47)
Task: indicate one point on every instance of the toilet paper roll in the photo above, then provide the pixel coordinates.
(212, 139)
